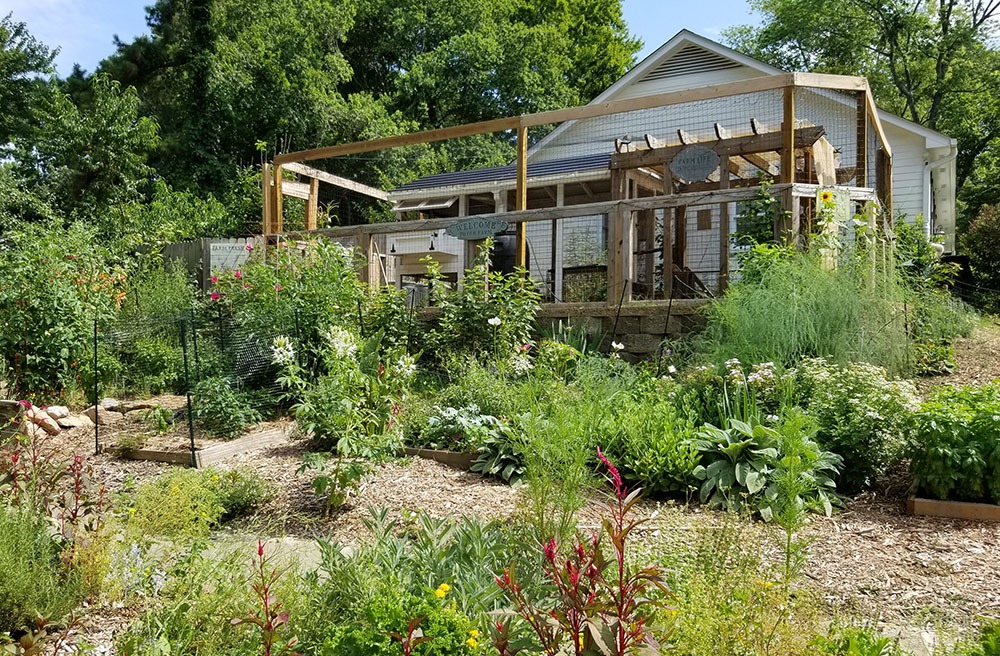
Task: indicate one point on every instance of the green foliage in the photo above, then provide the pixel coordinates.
(982, 242)
(239, 491)
(319, 283)
(954, 451)
(988, 643)
(490, 317)
(791, 307)
(863, 415)
(54, 282)
(179, 504)
(500, 456)
(353, 403)
(24, 62)
(222, 409)
(35, 582)
(780, 473)
(857, 641)
(336, 478)
(462, 429)
(159, 418)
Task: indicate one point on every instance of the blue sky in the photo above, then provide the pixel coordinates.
(84, 29)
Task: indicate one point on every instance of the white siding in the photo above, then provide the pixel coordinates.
(909, 192)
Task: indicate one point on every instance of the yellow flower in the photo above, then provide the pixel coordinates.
(474, 633)
(472, 642)
(766, 584)
(826, 196)
(445, 587)
(439, 593)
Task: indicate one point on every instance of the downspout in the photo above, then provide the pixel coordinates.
(928, 165)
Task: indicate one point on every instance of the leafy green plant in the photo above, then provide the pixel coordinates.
(268, 617)
(864, 416)
(159, 419)
(239, 491)
(179, 504)
(954, 454)
(600, 605)
(500, 456)
(336, 477)
(490, 317)
(35, 581)
(459, 429)
(223, 410)
(857, 641)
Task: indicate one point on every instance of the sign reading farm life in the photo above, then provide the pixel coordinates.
(694, 163)
(472, 229)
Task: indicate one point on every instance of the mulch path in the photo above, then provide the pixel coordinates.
(977, 359)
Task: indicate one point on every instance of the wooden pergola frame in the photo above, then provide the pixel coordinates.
(785, 142)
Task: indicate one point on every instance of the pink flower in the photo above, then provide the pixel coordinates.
(249, 246)
(247, 286)
(616, 479)
(215, 280)
(215, 296)
(550, 550)
(24, 404)
(260, 543)
(277, 288)
(237, 274)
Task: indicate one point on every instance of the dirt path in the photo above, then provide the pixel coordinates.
(977, 359)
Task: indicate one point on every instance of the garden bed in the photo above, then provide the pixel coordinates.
(451, 458)
(210, 455)
(970, 510)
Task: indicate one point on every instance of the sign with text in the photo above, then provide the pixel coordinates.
(473, 229)
(694, 163)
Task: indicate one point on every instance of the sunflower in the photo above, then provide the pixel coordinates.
(826, 196)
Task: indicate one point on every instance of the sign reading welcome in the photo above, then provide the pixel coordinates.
(472, 229)
(694, 163)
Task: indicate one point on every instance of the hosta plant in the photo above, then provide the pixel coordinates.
(735, 462)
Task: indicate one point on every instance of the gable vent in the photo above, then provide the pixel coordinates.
(690, 59)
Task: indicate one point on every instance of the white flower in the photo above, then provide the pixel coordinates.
(671, 369)
(617, 346)
(340, 341)
(771, 418)
(521, 364)
(282, 352)
(494, 321)
(406, 367)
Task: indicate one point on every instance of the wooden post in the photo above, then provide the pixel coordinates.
(312, 205)
(723, 226)
(267, 206)
(788, 137)
(861, 161)
(521, 202)
(883, 181)
(557, 247)
(618, 240)
(668, 237)
(278, 219)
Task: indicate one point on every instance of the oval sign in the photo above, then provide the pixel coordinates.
(694, 163)
(472, 229)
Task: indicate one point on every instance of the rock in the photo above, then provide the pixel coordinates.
(131, 407)
(31, 430)
(111, 404)
(10, 411)
(42, 418)
(57, 412)
(102, 415)
(75, 421)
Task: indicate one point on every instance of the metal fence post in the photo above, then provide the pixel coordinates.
(194, 342)
(298, 339)
(187, 393)
(97, 436)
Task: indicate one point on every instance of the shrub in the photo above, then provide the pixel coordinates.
(179, 504)
(955, 454)
(35, 583)
(54, 282)
(490, 316)
(790, 307)
(239, 491)
(223, 410)
(459, 429)
(863, 415)
(857, 641)
(982, 243)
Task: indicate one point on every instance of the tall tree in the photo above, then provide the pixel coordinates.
(930, 61)
(25, 65)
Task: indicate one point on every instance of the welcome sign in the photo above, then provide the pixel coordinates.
(473, 229)
(694, 163)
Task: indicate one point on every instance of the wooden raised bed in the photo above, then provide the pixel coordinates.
(450, 458)
(213, 454)
(983, 512)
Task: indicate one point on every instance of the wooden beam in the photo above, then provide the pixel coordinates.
(723, 228)
(877, 122)
(743, 145)
(754, 158)
(279, 208)
(594, 110)
(558, 255)
(295, 189)
(266, 205)
(861, 148)
(336, 180)
(312, 205)
(788, 141)
(521, 195)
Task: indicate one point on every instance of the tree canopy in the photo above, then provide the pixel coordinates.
(932, 62)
